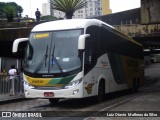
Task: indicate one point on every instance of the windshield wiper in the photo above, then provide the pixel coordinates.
(42, 61)
(55, 60)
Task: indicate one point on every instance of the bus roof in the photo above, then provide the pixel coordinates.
(74, 24)
(67, 24)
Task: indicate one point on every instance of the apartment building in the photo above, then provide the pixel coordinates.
(93, 8)
(45, 9)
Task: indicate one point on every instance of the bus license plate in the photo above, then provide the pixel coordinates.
(48, 94)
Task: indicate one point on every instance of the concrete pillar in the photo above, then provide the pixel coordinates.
(150, 11)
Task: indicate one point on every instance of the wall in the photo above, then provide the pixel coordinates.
(11, 31)
(138, 30)
(150, 11)
(125, 17)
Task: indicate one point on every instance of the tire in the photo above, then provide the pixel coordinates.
(101, 91)
(53, 100)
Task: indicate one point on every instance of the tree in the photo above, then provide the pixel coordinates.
(19, 11)
(18, 8)
(67, 6)
(2, 4)
(10, 10)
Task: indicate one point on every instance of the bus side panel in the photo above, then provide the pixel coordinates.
(89, 85)
(126, 69)
(124, 56)
(102, 71)
(112, 84)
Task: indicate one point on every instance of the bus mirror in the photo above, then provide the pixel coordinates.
(16, 44)
(81, 41)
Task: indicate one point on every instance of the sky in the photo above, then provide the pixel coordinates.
(30, 6)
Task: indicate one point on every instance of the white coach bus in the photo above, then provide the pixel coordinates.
(79, 58)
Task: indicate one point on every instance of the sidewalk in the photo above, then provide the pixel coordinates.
(7, 97)
(6, 85)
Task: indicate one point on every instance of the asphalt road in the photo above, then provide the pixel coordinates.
(116, 106)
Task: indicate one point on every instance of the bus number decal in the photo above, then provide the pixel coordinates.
(37, 81)
(39, 36)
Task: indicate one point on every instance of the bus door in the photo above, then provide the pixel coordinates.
(89, 64)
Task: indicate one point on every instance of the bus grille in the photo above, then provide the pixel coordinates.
(48, 88)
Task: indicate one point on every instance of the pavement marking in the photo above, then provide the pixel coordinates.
(109, 107)
(116, 104)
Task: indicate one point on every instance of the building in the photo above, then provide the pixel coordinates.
(93, 8)
(57, 13)
(46, 9)
(106, 7)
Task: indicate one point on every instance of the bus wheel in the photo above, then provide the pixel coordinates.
(53, 100)
(101, 91)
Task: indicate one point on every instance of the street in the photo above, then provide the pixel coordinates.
(147, 99)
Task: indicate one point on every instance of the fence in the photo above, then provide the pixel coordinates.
(11, 88)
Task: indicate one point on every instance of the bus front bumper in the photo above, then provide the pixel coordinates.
(75, 92)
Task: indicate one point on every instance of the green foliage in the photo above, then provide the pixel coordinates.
(18, 8)
(10, 10)
(48, 18)
(68, 6)
(2, 4)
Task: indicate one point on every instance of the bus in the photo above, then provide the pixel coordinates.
(155, 55)
(147, 56)
(79, 58)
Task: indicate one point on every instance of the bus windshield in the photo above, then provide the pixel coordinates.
(53, 52)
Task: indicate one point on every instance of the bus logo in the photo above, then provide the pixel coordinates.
(89, 88)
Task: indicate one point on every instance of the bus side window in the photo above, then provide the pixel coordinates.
(29, 52)
(88, 52)
(91, 47)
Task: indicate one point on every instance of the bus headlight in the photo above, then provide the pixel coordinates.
(28, 85)
(73, 83)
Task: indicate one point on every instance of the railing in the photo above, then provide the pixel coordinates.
(11, 88)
